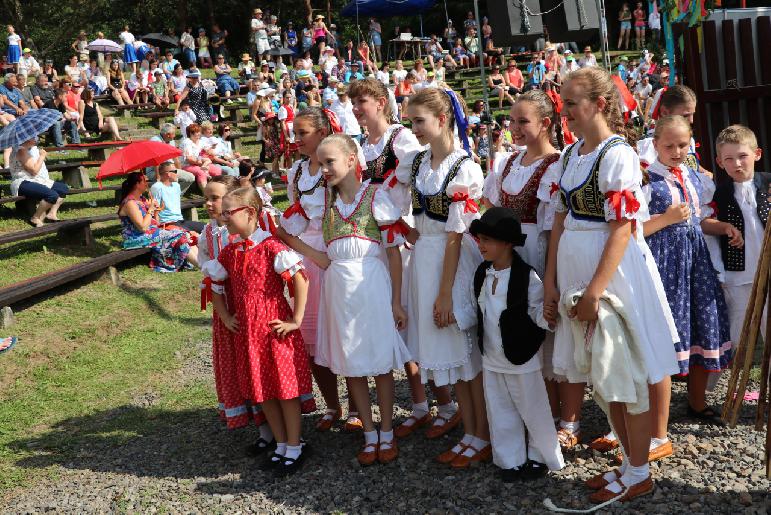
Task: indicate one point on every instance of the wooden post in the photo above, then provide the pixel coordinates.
(113, 275)
(6, 317)
(76, 177)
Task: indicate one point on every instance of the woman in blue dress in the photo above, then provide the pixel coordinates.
(170, 249)
(129, 53)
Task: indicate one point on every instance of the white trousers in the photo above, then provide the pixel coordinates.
(516, 402)
(737, 298)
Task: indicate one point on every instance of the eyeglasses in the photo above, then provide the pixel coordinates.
(227, 213)
(226, 129)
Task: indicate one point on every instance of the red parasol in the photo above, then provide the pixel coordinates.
(136, 155)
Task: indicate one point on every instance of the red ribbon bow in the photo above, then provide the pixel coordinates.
(266, 223)
(470, 207)
(334, 123)
(393, 181)
(679, 177)
(206, 291)
(286, 276)
(398, 227)
(553, 188)
(245, 246)
(296, 208)
(615, 198)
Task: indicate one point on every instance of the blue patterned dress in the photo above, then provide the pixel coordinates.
(690, 281)
(169, 247)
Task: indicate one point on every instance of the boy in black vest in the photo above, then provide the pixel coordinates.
(743, 202)
(511, 330)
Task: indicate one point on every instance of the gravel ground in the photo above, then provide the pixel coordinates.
(133, 460)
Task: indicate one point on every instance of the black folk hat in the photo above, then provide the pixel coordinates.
(499, 223)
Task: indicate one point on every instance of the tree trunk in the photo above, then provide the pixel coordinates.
(309, 7)
(14, 8)
(182, 13)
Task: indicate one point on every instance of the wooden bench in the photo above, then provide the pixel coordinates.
(234, 111)
(26, 207)
(97, 151)
(82, 226)
(157, 117)
(128, 109)
(23, 290)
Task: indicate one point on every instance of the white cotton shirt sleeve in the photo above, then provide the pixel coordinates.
(216, 272)
(386, 212)
(548, 194)
(491, 190)
(469, 181)
(645, 150)
(535, 301)
(620, 172)
(287, 260)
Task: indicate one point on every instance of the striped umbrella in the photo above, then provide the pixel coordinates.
(28, 127)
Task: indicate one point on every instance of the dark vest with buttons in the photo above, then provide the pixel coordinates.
(525, 203)
(728, 210)
(436, 206)
(521, 336)
(378, 168)
(586, 201)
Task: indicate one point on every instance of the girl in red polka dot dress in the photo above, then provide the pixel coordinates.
(248, 279)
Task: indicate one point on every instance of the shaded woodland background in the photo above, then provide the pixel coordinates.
(50, 26)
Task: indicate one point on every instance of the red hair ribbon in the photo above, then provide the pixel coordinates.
(334, 123)
(206, 291)
(296, 208)
(284, 179)
(286, 275)
(553, 188)
(266, 223)
(679, 177)
(398, 227)
(657, 108)
(470, 207)
(193, 239)
(556, 100)
(615, 198)
(393, 181)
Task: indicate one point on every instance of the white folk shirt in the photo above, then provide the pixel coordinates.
(492, 305)
(744, 193)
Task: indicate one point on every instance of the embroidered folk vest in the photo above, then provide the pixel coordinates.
(436, 206)
(361, 223)
(296, 182)
(728, 210)
(525, 203)
(586, 201)
(378, 168)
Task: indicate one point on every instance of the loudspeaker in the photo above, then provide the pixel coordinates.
(506, 20)
(570, 20)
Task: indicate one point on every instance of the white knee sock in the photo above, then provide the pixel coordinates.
(387, 439)
(448, 410)
(419, 410)
(265, 433)
(466, 440)
(370, 437)
(476, 443)
(293, 451)
(280, 450)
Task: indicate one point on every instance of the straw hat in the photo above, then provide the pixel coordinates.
(257, 11)
(319, 16)
(245, 57)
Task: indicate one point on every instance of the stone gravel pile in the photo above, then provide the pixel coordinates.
(140, 458)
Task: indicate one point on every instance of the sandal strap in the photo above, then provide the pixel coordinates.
(373, 445)
(442, 418)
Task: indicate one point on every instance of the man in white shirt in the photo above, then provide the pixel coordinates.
(28, 65)
(329, 95)
(588, 59)
(642, 94)
(167, 135)
(188, 46)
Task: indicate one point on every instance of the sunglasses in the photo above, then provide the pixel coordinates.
(226, 129)
(227, 213)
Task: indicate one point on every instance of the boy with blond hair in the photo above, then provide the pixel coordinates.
(744, 202)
